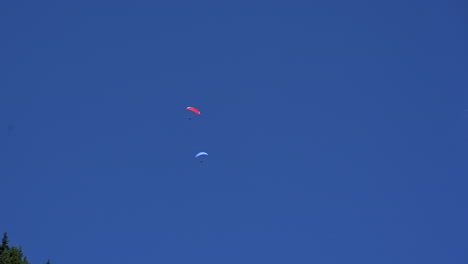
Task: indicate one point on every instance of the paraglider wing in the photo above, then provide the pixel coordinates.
(200, 154)
(193, 109)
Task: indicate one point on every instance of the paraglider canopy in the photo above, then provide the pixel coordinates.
(193, 109)
(200, 154)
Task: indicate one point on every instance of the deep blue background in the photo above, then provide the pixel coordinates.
(337, 131)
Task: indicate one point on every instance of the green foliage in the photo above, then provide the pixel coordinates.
(5, 242)
(15, 256)
(12, 255)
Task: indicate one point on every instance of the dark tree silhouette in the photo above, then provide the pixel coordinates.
(12, 255)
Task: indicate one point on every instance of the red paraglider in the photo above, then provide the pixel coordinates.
(193, 109)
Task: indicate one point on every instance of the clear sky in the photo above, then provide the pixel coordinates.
(336, 131)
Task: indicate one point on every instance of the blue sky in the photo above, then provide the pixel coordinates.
(337, 131)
